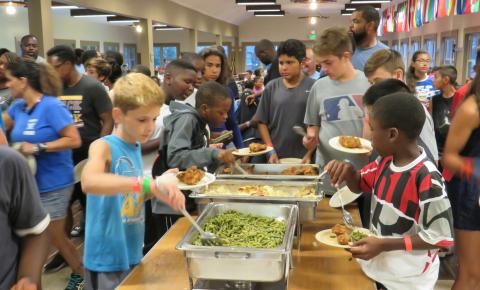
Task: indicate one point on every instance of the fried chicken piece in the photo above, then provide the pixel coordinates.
(228, 170)
(301, 170)
(350, 142)
(310, 170)
(343, 239)
(256, 147)
(339, 229)
(191, 176)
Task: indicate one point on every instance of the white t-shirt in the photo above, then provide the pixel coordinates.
(149, 158)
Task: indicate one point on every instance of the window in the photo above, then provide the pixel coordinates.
(448, 51)
(251, 60)
(164, 53)
(90, 45)
(395, 46)
(130, 55)
(472, 44)
(414, 46)
(429, 46)
(404, 52)
(111, 46)
(67, 42)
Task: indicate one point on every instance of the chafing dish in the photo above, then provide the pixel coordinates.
(236, 263)
(266, 172)
(307, 204)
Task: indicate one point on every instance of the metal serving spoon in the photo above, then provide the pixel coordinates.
(206, 238)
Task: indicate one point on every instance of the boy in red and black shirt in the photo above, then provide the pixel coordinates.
(411, 214)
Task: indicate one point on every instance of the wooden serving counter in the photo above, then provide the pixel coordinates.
(316, 266)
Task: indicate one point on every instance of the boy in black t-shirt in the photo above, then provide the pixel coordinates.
(441, 106)
(411, 214)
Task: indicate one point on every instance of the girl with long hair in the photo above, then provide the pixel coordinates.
(216, 69)
(418, 79)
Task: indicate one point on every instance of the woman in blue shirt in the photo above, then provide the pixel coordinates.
(44, 128)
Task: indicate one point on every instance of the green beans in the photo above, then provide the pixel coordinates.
(236, 229)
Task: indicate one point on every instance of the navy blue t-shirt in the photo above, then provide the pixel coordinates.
(40, 124)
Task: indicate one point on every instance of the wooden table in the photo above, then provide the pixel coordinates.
(316, 266)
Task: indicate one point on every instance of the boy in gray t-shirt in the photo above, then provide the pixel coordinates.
(283, 104)
(335, 105)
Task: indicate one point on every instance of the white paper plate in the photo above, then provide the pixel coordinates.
(246, 152)
(347, 197)
(366, 146)
(78, 169)
(206, 180)
(328, 238)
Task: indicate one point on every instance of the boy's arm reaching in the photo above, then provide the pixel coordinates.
(97, 180)
(340, 171)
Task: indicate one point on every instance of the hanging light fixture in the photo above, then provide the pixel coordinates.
(313, 5)
(313, 20)
(138, 28)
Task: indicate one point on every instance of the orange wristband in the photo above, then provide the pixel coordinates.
(136, 185)
(408, 243)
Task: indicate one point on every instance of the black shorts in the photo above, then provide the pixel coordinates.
(464, 197)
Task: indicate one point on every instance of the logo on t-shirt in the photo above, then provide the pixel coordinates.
(133, 203)
(343, 108)
(73, 104)
(30, 127)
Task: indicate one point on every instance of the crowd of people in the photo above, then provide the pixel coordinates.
(132, 133)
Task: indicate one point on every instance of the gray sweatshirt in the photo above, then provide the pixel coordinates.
(186, 139)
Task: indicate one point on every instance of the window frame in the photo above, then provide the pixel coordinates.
(69, 42)
(433, 56)
(108, 43)
(84, 43)
(165, 44)
(126, 61)
(444, 36)
(468, 33)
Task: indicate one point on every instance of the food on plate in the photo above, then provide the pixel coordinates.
(357, 235)
(261, 190)
(237, 229)
(300, 170)
(256, 147)
(350, 142)
(339, 229)
(191, 176)
(343, 239)
(345, 236)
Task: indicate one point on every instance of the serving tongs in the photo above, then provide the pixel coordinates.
(206, 238)
(239, 168)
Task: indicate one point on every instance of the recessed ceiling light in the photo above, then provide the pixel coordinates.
(313, 20)
(264, 8)
(89, 13)
(255, 2)
(313, 6)
(270, 14)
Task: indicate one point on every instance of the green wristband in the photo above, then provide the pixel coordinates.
(146, 186)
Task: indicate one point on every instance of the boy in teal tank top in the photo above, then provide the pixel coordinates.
(116, 190)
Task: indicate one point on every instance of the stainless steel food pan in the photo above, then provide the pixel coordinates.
(235, 263)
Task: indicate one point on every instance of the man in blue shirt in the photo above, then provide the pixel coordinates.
(363, 28)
